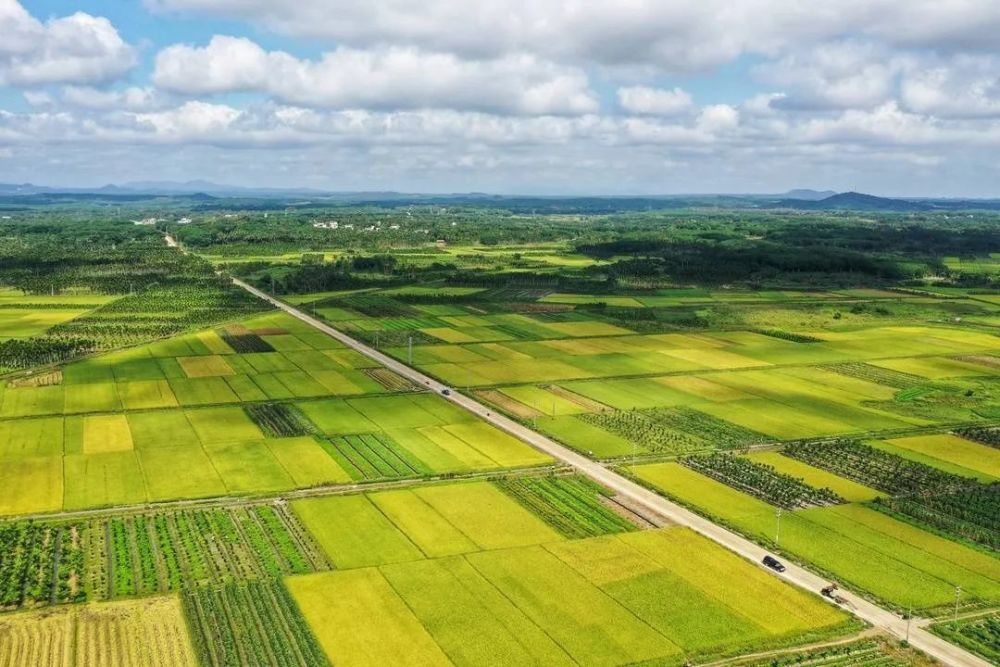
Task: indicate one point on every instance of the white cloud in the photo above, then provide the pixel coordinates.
(840, 75)
(963, 87)
(718, 119)
(390, 78)
(74, 49)
(654, 101)
(672, 35)
(130, 99)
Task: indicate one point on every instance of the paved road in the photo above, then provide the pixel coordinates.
(877, 616)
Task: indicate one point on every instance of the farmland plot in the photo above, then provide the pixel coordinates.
(143, 632)
(606, 600)
(895, 561)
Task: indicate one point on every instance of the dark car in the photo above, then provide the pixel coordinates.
(446, 392)
(774, 563)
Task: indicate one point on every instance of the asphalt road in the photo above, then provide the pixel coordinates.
(794, 574)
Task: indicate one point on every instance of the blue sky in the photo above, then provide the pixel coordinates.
(509, 96)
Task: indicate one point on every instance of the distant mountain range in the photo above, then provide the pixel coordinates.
(214, 195)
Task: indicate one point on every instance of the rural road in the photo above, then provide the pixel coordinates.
(877, 616)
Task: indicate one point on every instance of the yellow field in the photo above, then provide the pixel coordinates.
(141, 633)
(106, 433)
(207, 366)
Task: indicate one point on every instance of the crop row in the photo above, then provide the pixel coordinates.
(790, 336)
(171, 551)
(645, 432)
(571, 505)
(245, 343)
(279, 420)
(250, 623)
(972, 513)
(374, 456)
(40, 564)
(716, 432)
(883, 376)
(762, 481)
(863, 653)
(18, 353)
(878, 469)
(378, 306)
(984, 436)
(159, 311)
(979, 635)
(390, 380)
(397, 338)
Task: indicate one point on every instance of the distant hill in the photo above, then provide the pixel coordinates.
(809, 195)
(856, 201)
(207, 196)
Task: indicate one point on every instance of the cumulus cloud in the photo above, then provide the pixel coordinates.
(963, 87)
(73, 49)
(839, 75)
(133, 98)
(676, 36)
(378, 78)
(654, 101)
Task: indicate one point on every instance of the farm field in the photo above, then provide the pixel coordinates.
(460, 573)
(263, 406)
(149, 632)
(978, 634)
(190, 478)
(558, 362)
(893, 560)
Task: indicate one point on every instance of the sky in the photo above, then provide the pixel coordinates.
(891, 97)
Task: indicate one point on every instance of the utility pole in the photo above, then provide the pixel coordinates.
(777, 531)
(909, 617)
(410, 350)
(958, 594)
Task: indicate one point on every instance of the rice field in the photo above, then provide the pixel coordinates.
(149, 632)
(604, 600)
(895, 561)
(193, 417)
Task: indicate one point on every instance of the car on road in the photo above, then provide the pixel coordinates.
(446, 392)
(773, 563)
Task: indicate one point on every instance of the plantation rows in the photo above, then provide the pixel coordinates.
(17, 353)
(398, 338)
(250, 623)
(279, 420)
(972, 513)
(161, 310)
(571, 505)
(40, 564)
(985, 436)
(876, 468)
(647, 433)
(245, 343)
(788, 335)
(762, 481)
(378, 306)
(374, 456)
(979, 635)
(864, 653)
(389, 379)
(882, 376)
(171, 551)
(715, 431)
